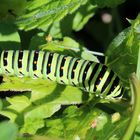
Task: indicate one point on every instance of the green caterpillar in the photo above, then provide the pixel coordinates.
(89, 76)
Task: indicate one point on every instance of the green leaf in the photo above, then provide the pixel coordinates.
(103, 128)
(66, 47)
(123, 51)
(72, 123)
(8, 131)
(46, 96)
(82, 16)
(18, 103)
(42, 88)
(9, 37)
(36, 41)
(11, 9)
(86, 122)
(44, 13)
(11, 115)
(43, 92)
(33, 119)
(107, 3)
(76, 22)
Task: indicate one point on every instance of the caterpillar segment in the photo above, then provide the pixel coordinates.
(88, 75)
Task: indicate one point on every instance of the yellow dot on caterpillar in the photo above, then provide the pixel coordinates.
(49, 65)
(35, 62)
(78, 61)
(85, 72)
(74, 70)
(5, 58)
(62, 68)
(20, 60)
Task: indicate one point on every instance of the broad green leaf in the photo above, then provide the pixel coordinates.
(82, 16)
(76, 22)
(44, 90)
(8, 32)
(8, 131)
(110, 131)
(46, 96)
(72, 46)
(36, 41)
(11, 9)
(66, 47)
(69, 42)
(9, 37)
(44, 13)
(18, 103)
(107, 3)
(123, 51)
(11, 115)
(33, 119)
(74, 124)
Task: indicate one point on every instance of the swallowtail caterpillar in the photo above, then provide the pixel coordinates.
(88, 75)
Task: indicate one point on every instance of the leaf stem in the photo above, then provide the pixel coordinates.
(135, 87)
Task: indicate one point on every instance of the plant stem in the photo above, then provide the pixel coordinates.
(133, 121)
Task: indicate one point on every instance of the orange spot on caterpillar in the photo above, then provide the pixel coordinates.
(49, 65)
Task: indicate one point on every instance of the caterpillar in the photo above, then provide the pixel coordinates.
(88, 75)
